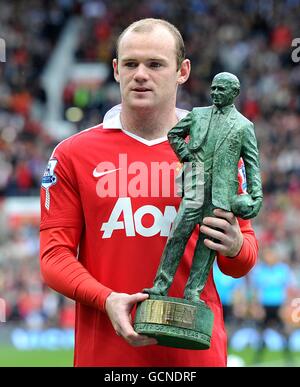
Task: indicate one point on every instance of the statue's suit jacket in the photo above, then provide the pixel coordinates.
(236, 139)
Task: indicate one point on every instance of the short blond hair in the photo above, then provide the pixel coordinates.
(147, 25)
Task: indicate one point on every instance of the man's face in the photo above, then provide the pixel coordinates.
(222, 92)
(147, 69)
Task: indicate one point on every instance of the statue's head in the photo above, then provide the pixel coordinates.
(224, 88)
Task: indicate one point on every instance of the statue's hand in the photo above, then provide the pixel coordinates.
(252, 213)
(184, 176)
(188, 158)
(245, 207)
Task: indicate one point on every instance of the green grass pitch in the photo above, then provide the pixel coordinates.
(10, 357)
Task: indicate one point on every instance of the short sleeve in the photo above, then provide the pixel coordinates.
(60, 197)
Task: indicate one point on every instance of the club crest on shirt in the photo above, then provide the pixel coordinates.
(242, 177)
(49, 178)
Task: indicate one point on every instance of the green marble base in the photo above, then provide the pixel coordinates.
(175, 322)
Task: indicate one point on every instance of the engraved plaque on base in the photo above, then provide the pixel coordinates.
(175, 322)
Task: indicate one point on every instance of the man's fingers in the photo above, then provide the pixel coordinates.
(138, 297)
(216, 223)
(118, 307)
(135, 339)
(222, 220)
(125, 328)
(229, 216)
(144, 342)
(140, 340)
(214, 246)
(212, 233)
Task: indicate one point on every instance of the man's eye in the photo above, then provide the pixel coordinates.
(130, 64)
(155, 64)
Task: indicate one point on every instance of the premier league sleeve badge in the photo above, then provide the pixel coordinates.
(49, 179)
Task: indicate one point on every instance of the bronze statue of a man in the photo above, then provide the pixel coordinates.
(218, 137)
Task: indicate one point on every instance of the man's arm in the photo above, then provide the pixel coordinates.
(64, 273)
(250, 156)
(177, 135)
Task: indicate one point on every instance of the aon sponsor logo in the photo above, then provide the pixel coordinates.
(132, 223)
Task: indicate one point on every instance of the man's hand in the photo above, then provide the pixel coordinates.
(228, 234)
(118, 307)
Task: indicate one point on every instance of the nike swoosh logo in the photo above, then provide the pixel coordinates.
(99, 174)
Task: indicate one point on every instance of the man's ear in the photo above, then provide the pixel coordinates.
(116, 71)
(236, 92)
(184, 71)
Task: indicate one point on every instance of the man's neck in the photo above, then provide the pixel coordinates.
(148, 124)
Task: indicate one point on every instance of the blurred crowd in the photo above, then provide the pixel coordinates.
(251, 38)
(30, 30)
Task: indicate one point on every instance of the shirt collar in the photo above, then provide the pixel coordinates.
(224, 110)
(112, 119)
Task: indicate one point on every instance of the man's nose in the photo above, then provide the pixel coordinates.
(141, 73)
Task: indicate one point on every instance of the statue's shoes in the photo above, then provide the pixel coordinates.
(193, 297)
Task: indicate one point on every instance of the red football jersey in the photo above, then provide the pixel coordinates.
(117, 191)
